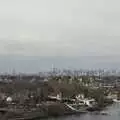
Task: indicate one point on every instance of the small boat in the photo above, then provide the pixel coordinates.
(100, 113)
(116, 100)
(104, 113)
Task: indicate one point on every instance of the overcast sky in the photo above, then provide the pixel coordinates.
(69, 28)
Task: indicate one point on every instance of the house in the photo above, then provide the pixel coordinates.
(57, 97)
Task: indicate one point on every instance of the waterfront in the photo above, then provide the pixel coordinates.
(114, 111)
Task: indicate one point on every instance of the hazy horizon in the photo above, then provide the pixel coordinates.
(32, 64)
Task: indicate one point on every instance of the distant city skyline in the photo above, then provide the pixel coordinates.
(37, 64)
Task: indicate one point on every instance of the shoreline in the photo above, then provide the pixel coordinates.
(51, 110)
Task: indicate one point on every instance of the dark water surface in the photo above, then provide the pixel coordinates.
(114, 111)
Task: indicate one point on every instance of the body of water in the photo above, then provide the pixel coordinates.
(114, 111)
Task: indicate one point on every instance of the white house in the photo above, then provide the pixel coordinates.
(9, 99)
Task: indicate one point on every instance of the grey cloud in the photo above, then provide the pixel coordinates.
(60, 28)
